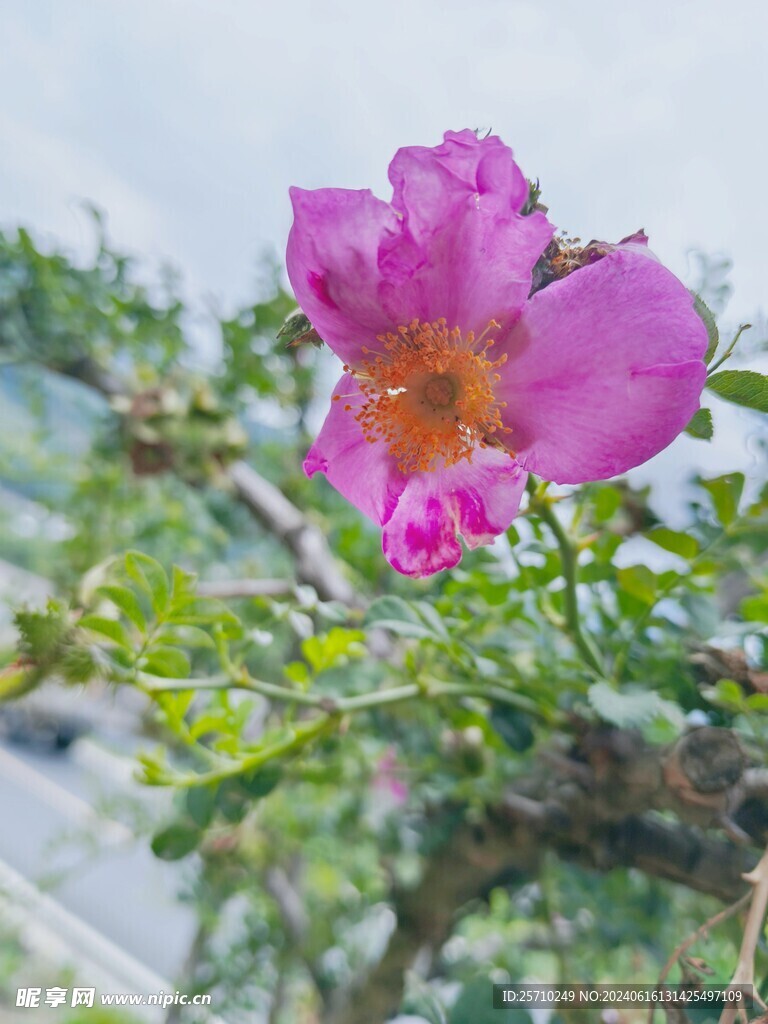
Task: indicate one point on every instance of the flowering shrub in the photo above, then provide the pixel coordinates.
(368, 766)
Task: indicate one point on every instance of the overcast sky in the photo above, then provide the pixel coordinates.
(187, 121)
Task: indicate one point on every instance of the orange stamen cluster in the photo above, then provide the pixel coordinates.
(429, 395)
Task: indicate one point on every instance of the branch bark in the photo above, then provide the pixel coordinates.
(314, 561)
(596, 807)
(313, 558)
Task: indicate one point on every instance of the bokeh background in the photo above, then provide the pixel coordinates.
(187, 123)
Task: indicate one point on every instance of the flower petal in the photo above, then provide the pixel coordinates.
(605, 369)
(477, 499)
(425, 178)
(364, 473)
(464, 253)
(332, 261)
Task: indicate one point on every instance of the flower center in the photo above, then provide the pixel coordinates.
(429, 395)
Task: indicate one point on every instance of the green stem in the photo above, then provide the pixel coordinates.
(299, 737)
(239, 681)
(569, 561)
(727, 354)
(333, 709)
(377, 698)
(341, 705)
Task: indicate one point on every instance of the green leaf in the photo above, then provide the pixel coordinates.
(708, 317)
(15, 680)
(725, 492)
(639, 582)
(111, 628)
(167, 662)
(216, 721)
(627, 709)
(201, 611)
(176, 841)
(150, 576)
(326, 649)
(742, 387)
(297, 672)
(682, 544)
(514, 727)
(182, 585)
(606, 502)
(231, 800)
(726, 693)
(126, 601)
(42, 633)
(700, 425)
(262, 782)
(200, 803)
(755, 609)
(399, 617)
(184, 636)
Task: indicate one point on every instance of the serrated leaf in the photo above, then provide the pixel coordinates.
(150, 576)
(725, 492)
(713, 335)
(176, 841)
(700, 425)
(124, 599)
(742, 387)
(630, 709)
(113, 629)
(682, 544)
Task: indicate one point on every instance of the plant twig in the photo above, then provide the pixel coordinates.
(745, 968)
(727, 354)
(700, 933)
(314, 560)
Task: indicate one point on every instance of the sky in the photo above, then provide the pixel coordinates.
(188, 120)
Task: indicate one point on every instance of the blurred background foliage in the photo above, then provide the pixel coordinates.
(310, 800)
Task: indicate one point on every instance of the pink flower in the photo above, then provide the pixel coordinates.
(456, 379)
(386, 780)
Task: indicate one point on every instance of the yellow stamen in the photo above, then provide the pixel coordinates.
(429, 395)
